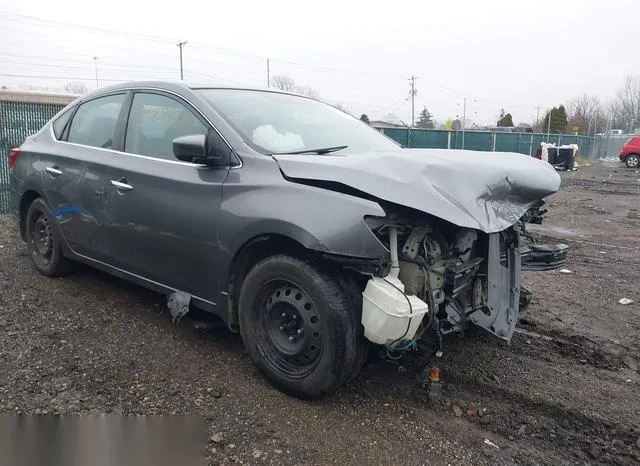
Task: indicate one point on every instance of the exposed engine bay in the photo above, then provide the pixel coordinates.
(462, 276)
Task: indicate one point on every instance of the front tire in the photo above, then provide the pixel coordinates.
(299, 327)
(43, 241)
(632, 161)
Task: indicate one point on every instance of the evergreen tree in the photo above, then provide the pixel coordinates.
(505, 119)
(425, 120)
(559, 121)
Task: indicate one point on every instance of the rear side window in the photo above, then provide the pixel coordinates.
(94, 123)
(61, 122)
(155, 121)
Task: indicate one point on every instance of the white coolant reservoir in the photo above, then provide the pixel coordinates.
(386, 314)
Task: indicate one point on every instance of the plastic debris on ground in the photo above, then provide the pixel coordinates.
(178, 304)
(565, 271)
(626, 301)
(490, 443)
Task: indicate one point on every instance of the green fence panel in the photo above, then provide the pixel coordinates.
(471, 140)
(399, 135)
(507, 142)
(17, 121)
(429, 139)
(522, 143)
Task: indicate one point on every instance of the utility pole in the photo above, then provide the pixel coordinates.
(180, 45)
(464, 119)
(95, 65)
(549, 124)
(413, 96)
(268, 74)
(595, 128)
(537, 115)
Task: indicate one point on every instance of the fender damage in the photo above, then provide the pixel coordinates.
(464, 258)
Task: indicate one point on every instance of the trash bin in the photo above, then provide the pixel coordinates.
(565, 157)
(553, 155)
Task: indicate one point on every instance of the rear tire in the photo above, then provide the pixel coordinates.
(632, 161)
(299, 327)
(43, 241)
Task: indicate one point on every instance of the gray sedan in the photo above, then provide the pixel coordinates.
(307, 231)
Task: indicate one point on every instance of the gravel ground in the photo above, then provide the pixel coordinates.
(565, 391)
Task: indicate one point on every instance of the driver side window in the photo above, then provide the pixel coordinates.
(155, 121)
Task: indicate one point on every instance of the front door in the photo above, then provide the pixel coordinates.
(165, 213)
(75, 175)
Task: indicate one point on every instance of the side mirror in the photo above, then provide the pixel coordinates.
(200, 148)
(189, 148)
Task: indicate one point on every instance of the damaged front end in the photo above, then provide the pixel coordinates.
(440, 278)
(536, 256)
(455, 231)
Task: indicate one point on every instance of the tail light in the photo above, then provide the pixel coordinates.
(13, 157)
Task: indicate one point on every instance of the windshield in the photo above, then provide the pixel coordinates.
(276, 123)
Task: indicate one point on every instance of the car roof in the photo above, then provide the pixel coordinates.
(177, 86)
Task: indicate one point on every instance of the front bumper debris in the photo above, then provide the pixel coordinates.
(543, 257)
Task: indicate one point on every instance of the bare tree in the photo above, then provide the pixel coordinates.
(76, 88)
(288, 84)
(586, 113)
(615, 115)
(283, 83)
(626, 104)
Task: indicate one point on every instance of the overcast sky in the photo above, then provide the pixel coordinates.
(499, 53)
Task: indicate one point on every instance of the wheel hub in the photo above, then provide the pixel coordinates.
(42, 236)
(293, 325)
(633, 161)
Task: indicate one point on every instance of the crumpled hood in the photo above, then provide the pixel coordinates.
(488, 191)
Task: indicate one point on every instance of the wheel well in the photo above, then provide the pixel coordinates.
(264, 246)
(249, 255)
(260, 248)
(25, 202)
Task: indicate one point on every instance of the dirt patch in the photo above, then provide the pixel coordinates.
(565, 391)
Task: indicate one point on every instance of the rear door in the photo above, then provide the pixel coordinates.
(166, 212)
(75, 172)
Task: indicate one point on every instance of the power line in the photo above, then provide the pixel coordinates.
(70, 78)
(206, 47)
(26, 19)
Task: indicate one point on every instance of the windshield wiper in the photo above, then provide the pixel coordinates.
(324, 150)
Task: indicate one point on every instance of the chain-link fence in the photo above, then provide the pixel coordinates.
(608, 146)
(523, 143)
(21, 115)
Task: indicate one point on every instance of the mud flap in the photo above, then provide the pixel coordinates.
(500, 314)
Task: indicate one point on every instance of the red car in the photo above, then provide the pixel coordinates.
(630, 153)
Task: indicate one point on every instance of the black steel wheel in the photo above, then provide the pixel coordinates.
(293, 337)
(42, 241)
(299, 327)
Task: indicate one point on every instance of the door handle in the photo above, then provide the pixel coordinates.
(121, 186)
(53, 171)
